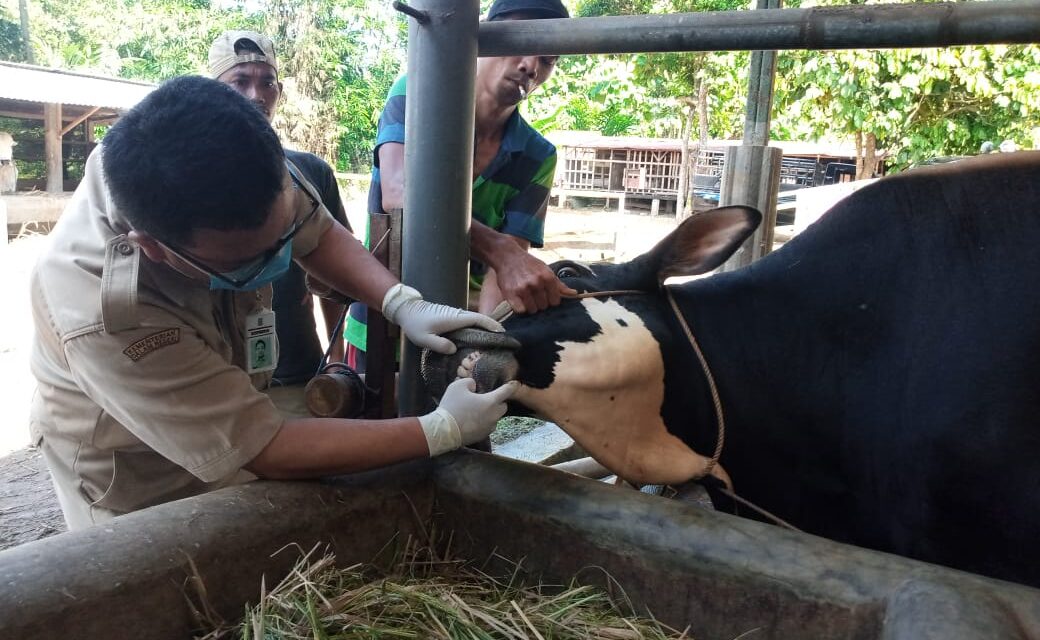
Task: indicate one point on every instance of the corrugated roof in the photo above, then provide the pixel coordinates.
(40, 84)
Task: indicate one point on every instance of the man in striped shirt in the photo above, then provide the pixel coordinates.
(513, 168)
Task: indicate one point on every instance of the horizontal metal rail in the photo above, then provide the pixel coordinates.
(849, 27)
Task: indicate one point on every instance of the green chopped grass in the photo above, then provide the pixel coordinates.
(423, 596)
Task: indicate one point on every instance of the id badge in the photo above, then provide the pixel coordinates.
(261, 343)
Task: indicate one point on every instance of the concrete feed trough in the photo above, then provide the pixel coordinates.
(722, 575)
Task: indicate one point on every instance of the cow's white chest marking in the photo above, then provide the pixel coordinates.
(607, 394)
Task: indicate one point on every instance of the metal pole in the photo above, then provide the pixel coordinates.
(760, 89)
(442, 59)
(751, 175)
(846, 27)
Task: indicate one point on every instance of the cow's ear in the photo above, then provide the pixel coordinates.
(704, 241)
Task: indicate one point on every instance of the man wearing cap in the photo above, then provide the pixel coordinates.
(513, 168)
(246, 62)
(153, 293)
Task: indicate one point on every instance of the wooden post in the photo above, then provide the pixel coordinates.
(383, 338)
(52, 147)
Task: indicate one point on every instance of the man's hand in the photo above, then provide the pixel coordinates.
(422, 321)
(529, 285)
(463, 416)
(524, 281)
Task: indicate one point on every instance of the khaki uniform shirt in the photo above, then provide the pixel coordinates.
(142, 395)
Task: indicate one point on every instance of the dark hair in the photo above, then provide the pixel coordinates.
(194, 154)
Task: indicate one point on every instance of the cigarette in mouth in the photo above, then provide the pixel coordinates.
(523, 92)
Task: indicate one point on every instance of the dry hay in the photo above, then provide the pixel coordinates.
(422, 595)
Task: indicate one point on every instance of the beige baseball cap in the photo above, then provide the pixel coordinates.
(222, 54)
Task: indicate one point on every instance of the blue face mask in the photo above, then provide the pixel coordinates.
(243, 278)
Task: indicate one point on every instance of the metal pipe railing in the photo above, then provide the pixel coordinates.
(442, 63)
(849, 27)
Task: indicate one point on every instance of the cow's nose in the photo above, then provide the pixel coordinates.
(486, 356)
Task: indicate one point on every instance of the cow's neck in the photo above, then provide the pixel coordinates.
(781, 338)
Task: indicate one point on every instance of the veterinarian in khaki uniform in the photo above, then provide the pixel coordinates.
(152, 295)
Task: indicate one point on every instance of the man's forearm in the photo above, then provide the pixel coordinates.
(491, 247)
(527, 283)
(311, 447)
(391, 175)
(343, 263)
(490, 293)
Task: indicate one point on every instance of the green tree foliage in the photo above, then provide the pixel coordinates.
(597, 94)
(678, 75)
(147, 40)
(337, 58)
(12, 48)
(338, 72)
(913, 103)
(643, 94)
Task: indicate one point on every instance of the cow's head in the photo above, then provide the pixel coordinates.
(596, 365)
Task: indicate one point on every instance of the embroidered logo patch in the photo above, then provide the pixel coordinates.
(148, 344)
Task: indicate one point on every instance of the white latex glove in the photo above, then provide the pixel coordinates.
(422, 321)
(464, 416)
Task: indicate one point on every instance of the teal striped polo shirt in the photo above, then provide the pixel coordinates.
(510, 195)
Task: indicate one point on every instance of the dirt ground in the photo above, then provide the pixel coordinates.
(28, 506)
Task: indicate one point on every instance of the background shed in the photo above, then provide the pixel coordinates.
(641, 171)
(54, 116)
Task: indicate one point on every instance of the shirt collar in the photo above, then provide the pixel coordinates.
(514, 137)
(513, 141)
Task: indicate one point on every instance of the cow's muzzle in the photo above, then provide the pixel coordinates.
(486, 356)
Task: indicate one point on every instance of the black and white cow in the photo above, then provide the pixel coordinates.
(880, 374)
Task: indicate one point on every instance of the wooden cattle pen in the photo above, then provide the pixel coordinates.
(53, 116)
(644, 172)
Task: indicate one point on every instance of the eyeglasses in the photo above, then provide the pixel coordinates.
(253, 268)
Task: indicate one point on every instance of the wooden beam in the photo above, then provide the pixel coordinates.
(72, 125)
(106, 114)
(25, 115)
(52, 147)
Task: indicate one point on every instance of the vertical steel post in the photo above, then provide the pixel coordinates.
(751, 174)
(442, 59)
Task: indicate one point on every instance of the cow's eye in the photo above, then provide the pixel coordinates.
(572, 269)
(567, 272)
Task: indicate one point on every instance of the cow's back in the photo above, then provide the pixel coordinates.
(885, 363)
